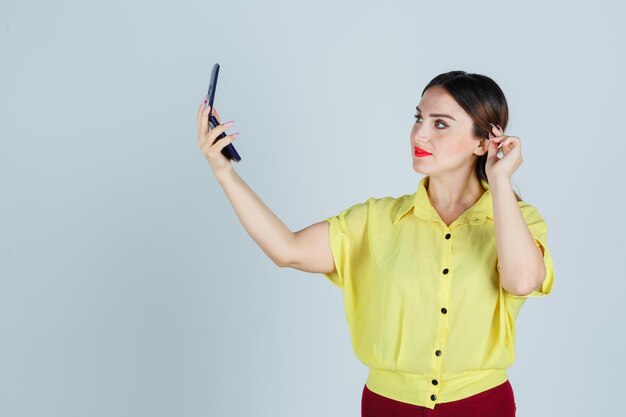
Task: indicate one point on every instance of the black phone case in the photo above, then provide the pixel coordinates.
(229, 150)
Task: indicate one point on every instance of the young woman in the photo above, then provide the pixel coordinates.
(433, 281)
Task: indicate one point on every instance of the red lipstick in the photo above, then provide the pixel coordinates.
(420, 153)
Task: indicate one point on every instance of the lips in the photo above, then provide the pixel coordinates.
(420, 152)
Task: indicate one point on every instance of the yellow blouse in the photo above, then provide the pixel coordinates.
(423, 301)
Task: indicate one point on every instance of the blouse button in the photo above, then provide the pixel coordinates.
(448, 235)
(435, 382)
(445, 271)
(438, 352)
(433, 397)
(443, 310)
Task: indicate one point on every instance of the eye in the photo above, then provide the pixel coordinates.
(418, 118)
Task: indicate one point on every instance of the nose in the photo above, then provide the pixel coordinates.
(421, 135)
(421, 139)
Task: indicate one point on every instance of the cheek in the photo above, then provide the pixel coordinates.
(452, 150)
(460, 146)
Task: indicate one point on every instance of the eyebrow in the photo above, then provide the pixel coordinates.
(436, 114)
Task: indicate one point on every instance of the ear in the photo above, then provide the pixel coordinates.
(482, 147)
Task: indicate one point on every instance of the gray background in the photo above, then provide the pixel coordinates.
(127, 284)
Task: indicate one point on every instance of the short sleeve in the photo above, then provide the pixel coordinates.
(539, 231)
(348, 240)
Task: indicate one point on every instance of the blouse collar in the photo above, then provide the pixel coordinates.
(422, 207)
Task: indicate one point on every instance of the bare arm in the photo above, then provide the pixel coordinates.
(267, 230)
(307, 250)
(520, 260)
(311, 251)
(522, 268)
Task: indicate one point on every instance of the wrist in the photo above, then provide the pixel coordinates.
(500, 183)
(225, 175)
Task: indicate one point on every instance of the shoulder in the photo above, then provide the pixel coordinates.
(374, 207)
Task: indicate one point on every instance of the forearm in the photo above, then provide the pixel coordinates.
(520, 260)
(267, 230)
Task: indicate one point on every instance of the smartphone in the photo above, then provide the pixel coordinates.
(229, 150)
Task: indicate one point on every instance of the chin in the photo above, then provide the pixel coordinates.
(419, 169)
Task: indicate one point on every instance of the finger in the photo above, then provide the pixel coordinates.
(492, 153)
(217, 147)
(499, 139)
(213, 112)
(216, 131)
(492, 149)
(211, 135)
(510, 145)
(496, 128)
(495, 150)
(204, 119)
(201, 108)
(204, 132)
(216, 114)
(511, 141)
(222, 143)
(499, 152)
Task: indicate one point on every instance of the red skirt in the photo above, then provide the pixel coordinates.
(498, 401)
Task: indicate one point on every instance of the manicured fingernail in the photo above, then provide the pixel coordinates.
(232, 122)
(204, 100)
(235, 134)
(492, 124)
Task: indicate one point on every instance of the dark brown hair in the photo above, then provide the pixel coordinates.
(482, 99)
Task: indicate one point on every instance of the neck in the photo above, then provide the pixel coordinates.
(453, 192)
